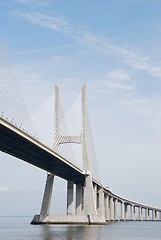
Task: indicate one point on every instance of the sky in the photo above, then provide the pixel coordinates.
(113, 47)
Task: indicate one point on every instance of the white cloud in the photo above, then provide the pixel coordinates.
(132, 58)
(156, 70)
(4, 189)
(55, 23)
(42, 50)
(113, 87)
(32, 2)
(120, 93)
(118, 82)
(119, 74)
(145, 106)
(22, 1)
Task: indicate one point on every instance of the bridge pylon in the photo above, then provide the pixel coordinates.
(86, 209)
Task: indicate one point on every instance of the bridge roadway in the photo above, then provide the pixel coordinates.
(120, 199)
(19, 144)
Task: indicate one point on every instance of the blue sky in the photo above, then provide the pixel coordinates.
(113, 47)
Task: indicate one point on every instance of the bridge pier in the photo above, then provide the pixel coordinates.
(156, 215)
(70, 197)
(95, 194)
(153, 215)
(80, 211)
(116, 209)
(47, 197)
(101, 209)
(122, 211)
(107, 208)
(147, 214)
(111, 208)
(79, 197)
(140, 214)
(132, 213)
(126, 212)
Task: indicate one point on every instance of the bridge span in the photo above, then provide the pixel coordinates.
(89, 202)
(18, 143)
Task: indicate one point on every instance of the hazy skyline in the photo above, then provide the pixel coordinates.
(113, 47)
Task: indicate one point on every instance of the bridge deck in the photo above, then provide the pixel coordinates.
(19, 144)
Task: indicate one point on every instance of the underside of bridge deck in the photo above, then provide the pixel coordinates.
(13, 143)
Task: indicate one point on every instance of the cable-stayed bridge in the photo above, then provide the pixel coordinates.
(62, 146)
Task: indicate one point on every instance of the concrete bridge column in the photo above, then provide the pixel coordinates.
(79, 197)
(147, 214)
(132, 213)
(47, 197)
(140, 213)
(107, 208)
(126, 212)
(111, 208)
(150, 214)
(95, 194)
(101, 209)
(116, 209)
(88, 198)
(70, 198)
(154, 216)
(122, 211)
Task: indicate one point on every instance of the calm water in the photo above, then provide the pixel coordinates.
(18, 228)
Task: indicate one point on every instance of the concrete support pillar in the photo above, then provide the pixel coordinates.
(154, 217)
(89, 201)
(122, 211)
(126, 212)
(95, 194)
(47, 197)
(82, 200)
(146, 214)
(107, 208)
(79, 196)
(140, 213)
(150, 214)
(115, 209)
(111, 208)
(101, 209)
(132, 213)
(70, 197)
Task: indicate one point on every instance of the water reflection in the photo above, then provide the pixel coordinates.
(18, 228)
(69, 232)
(111, 231)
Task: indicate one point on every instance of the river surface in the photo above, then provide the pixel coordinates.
(19, 228)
